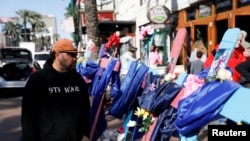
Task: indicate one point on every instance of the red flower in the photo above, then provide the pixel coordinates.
(114, 41)
(120, 130)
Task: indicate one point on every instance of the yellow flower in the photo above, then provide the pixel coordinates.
(139, 112)
(145, 115)
(147, 120)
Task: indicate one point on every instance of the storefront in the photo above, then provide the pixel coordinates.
(208, 20)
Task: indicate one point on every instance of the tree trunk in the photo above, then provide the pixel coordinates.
(92, 25)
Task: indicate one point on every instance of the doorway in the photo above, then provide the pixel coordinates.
(201, 33)
(243, 23)
(221, 27)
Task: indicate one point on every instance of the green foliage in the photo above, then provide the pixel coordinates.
(74, 12)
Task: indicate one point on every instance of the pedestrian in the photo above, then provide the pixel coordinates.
(154, 58)
(196, 66)
(244, 68)
(199, 46)
(235, 58)
(55, 105)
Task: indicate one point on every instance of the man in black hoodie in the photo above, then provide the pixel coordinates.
(55, 105)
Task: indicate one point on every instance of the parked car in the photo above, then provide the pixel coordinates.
(16, 65)
(41, 57)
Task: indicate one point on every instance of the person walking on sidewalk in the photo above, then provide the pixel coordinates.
(55, 105)
(196, 66)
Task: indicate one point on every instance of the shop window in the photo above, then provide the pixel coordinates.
(191, 14)
(223, 5)
(205, 10)
(242, 3)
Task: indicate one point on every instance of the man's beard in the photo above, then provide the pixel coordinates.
(68, 67)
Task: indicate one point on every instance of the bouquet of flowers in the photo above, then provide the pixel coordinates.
(147, 120)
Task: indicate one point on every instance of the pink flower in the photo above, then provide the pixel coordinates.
(145, 31)
(152, 87)
(192, 83)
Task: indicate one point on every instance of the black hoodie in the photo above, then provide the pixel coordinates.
(55, 106)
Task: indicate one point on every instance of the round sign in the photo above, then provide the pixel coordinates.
(158, 14)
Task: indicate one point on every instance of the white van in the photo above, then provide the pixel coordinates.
(41, 57)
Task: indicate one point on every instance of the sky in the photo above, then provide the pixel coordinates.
(57, 8)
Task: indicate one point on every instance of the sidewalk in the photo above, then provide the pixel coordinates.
(114, 123)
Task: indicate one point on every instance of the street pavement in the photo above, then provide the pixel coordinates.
(10, 116)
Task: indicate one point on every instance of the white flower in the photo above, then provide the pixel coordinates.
(131, 123)
(169, 77)
(152, 120)
(224, 74)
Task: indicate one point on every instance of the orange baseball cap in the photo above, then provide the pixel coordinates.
(64, 45)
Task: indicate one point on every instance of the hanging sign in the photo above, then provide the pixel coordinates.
(223, 5)
(158, 16)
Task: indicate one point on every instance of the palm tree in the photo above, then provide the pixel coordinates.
(91, 19)
(23, 13)
(12, 32)
(35, 19)
(92, 24)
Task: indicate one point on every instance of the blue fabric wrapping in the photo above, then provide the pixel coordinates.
(164, 96)
(237, 106)
(192, 137)
(203, 106)
(135, 130)
(132, 90)
(159, 100)
(99, 91)
(152, 83)
(93, 90)
(165, 125)
(203, 74)
(89, 69)
(116, 84)
(117, 100)
(122, 104)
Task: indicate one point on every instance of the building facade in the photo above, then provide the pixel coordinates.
(50, 22)
(137, 10)
(208, 20)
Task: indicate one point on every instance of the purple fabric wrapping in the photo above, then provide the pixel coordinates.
(103, 53)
